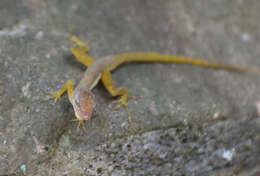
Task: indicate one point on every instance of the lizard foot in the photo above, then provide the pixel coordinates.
(122, 102)
(51, 95)
(54, 95)
(80, 123)
(83, 47)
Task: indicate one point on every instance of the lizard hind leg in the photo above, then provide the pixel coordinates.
(121, 91)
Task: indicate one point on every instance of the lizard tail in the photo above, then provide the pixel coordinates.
(165, 58)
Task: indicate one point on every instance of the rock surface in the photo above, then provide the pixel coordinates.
(186, 120)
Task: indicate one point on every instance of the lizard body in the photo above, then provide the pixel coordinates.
(83, 100)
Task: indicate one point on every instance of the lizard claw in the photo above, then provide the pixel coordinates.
(51, 96)
(122, 102)
(54, 96)
(132, 97)
(80, 123)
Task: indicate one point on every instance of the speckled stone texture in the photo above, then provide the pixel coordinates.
(187, 121)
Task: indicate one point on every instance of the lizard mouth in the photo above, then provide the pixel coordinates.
(83, 104)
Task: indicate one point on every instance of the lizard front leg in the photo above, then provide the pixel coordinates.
(121, 91)
(80, 52)
(68, 86)
(80, 55)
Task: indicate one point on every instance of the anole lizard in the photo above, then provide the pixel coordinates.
(82, 99)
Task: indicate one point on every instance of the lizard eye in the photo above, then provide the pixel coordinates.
(84, 102)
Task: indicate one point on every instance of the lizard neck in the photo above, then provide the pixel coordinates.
(93, 74)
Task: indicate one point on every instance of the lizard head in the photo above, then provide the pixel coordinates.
(83, 104)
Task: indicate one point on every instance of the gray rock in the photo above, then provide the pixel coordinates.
(186, 120)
